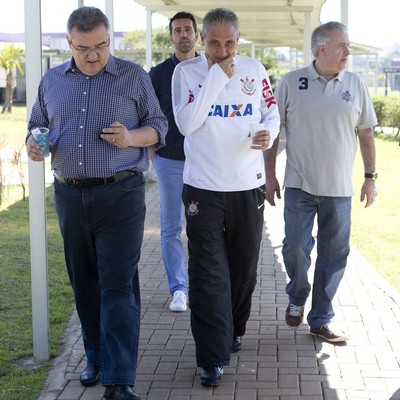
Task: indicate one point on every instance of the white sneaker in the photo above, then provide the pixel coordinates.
(178, 303)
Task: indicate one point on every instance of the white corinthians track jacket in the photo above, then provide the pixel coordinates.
(214, 112)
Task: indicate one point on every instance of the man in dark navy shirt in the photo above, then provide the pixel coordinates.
(169, 160)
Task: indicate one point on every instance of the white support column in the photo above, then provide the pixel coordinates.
(291, 59)
(37, 198)
(149, 48)
(344, 12)
(376, 71)
(307, 57)
(253, 51)
(109, 6)
(344, 19)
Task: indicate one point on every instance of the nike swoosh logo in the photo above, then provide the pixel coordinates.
(261, 205)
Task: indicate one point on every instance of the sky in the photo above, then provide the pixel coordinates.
(371, 22)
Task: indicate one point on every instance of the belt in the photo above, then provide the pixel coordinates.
(92, 182)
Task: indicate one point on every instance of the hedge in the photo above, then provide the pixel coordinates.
(387, 112)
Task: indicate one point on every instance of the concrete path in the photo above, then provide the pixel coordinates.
(275, 363)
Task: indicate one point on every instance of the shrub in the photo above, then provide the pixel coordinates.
(379, 106)
(393, 114)
(387, 111)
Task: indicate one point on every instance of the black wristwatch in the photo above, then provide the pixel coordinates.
(371, 175)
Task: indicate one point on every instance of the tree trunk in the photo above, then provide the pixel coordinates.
(7, 106)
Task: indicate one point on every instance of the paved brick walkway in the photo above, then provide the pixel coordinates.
(275, 363)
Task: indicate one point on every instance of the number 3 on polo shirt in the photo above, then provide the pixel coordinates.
(303, 83)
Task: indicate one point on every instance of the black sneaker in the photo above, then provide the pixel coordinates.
(294, 315)
(236, 344)
(211, 376)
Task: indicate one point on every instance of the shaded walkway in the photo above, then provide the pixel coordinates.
(275, 362)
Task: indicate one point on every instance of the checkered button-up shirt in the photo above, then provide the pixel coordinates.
(76, 107)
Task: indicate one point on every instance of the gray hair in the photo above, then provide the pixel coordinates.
(222, 17)
(85, 19)
(321, 34)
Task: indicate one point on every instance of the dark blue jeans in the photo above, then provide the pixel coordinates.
(333, 247)
(102, 228)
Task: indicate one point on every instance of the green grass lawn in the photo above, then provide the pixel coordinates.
(375, 230)
(16, 343)
(13, 127)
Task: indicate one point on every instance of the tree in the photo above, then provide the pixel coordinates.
(270, 62)
(136, 40)
(10, 57)
(269, 59)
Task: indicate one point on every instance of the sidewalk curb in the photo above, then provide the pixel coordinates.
(56, 380)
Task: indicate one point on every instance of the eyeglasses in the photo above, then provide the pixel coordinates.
(87, 50)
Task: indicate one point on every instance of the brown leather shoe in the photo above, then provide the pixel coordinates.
(329, 333)
(294, 316)
(120, 392)
(91, 375)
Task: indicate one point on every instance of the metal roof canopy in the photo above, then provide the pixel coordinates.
(273, 23)
(267, 23)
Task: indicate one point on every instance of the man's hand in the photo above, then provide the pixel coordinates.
(117, 135)
(33, 149)
(272, 187)
(227, 64)
(260, 141)
(369, 192)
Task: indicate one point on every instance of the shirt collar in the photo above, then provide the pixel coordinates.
(110, 67)
(176, 61)
(313, 74)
